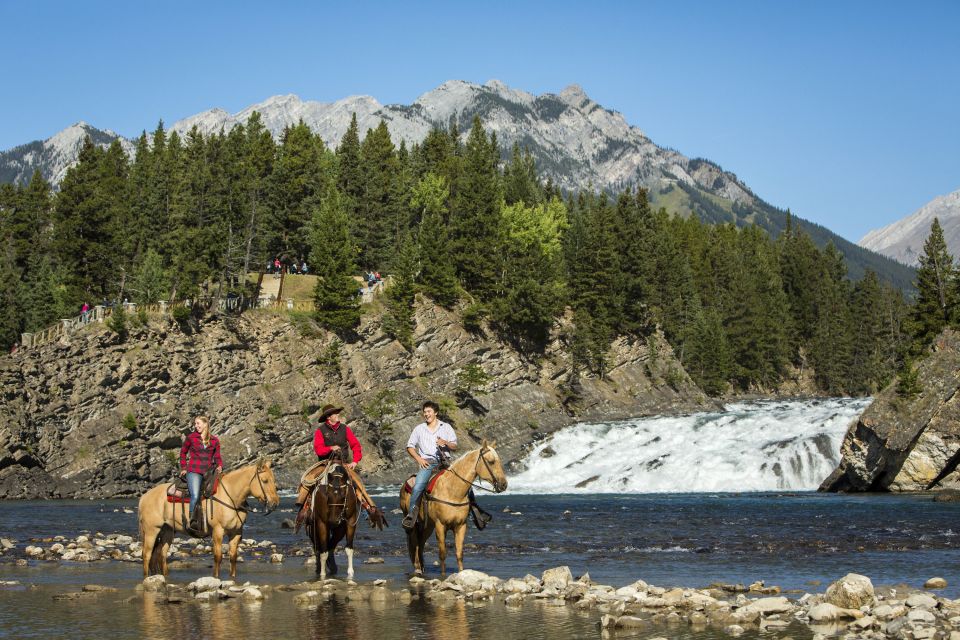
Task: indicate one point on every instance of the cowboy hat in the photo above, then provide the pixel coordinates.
(327, 411)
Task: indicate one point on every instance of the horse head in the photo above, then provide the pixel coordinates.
(336, 494)
(490, 468)
(263, 485)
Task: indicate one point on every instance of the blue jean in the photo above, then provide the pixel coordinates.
(420, 484)
(193, 484)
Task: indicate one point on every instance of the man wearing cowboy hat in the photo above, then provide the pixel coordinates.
(332, 439)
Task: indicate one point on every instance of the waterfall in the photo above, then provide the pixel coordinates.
(750, 446)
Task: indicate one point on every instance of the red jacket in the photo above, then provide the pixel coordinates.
(322, 449)
(201, 458)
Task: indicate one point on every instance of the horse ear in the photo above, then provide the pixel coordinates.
(263, 463)
(492, 444)
(483, 445)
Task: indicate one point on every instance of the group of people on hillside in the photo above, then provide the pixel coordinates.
(282, 265)
(429, 445)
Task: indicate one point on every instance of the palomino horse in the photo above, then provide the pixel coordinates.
(226, 512)
(447, 506)
(336, 511)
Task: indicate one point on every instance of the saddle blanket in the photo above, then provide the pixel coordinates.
(178, 495)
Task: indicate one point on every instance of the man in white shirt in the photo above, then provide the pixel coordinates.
(429, 441)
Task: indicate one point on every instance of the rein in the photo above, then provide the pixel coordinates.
(486, 464)
(242, 507)
(475, 466)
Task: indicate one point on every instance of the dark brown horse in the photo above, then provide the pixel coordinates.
(336, 511)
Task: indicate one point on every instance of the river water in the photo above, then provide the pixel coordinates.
(787, 536)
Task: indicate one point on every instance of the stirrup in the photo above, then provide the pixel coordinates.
(410, 520)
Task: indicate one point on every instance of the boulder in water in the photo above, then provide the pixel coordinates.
(850, 592)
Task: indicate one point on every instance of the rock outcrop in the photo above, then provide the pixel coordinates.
(91, 416)
(908, 443)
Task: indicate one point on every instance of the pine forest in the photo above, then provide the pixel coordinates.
(458, 221)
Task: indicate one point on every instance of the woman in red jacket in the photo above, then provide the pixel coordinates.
(199, 452)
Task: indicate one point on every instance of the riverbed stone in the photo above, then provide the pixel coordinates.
(889, 612)
(206, 583)
(921, 600)
(6, 544)
(734, 630)
(154, 584)
(557, 578)
(851, 592)
(769, 606)
(921, 615)
(828, 612)
(935, 583)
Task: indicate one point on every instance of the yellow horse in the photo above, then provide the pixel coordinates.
(226, 512)
(447, 506)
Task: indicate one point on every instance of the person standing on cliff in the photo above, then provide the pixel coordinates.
(332, 439)
(429, 445)
(199, 453)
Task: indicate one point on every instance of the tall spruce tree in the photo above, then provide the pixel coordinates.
(332, 254)
(380, 213)
(474, 220)
(936, 289)
(437, 277)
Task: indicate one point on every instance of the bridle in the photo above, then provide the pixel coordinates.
(476, 466)
(242, 507)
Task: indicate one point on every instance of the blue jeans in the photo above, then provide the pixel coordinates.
(193, 484)
(420, 484)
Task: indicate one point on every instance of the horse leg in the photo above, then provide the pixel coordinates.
(166, 537)
(460, 534)
(442, 546)
(149, 539)
(412, 544)
(321, 528)
(351, 530)
(336, 535)
(217, 550)
(234, 552)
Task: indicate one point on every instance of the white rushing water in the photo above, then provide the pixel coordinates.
(756, 446)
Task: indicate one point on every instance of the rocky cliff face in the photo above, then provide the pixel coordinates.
(90, 416)
(912, 444)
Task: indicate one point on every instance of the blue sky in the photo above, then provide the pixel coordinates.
(844, 111)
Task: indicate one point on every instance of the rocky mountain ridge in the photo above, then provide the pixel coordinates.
(91, 416)
(903, 240)
(576, 142)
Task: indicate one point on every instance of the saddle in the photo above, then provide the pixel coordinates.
(408, 485)
(178, 492)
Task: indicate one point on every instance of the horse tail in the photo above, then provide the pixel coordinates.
(164, 536)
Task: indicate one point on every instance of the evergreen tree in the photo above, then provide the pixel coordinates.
(936, 289)
(710, 362)
(380, 218)
(474, 220)
(831, 345)
(81, 228)
(398, 321)
(11, 297)
(332, 253)
(594, 283)
(302, 172)
(437, 277)
(349, 174)
(530, 294)
(520, 181)
(637, 266)
(259, 152)
(28, 217)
